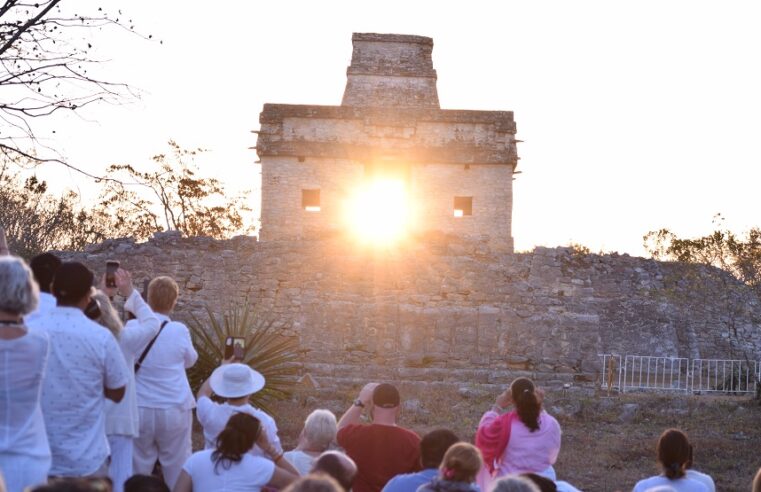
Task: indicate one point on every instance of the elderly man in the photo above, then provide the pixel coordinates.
(164, 399)
(85, 368)
(381, 449)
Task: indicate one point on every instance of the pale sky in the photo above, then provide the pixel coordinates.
(635, 115)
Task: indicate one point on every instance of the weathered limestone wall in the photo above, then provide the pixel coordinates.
(391, 70)
(281, 190)
(445, 154)
(436, 185)
(455, 308)
(390, 125)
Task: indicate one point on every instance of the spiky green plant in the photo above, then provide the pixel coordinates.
(268, 350)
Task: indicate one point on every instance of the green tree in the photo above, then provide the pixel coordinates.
(739, 255)
(173, 197)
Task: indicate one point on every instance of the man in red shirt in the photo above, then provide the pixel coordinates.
(381, 449)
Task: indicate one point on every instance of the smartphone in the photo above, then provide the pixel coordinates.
(111, 267)
(235, 347)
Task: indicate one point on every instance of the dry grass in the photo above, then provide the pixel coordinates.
(601, 451)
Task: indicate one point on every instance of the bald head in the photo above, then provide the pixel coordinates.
(337, 465)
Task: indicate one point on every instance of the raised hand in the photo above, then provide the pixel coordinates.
(4, 251)
(366, 394)
(123, 281)
(505, 399)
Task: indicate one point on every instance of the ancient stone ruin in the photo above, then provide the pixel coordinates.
(457, 166)
(454, 304)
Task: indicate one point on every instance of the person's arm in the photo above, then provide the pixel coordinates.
(205, 389)
(184, 483)
(138, 333)
(114, 394)
(281, 478)
(115, 375)
(4, 251)
(190, 355)
(353, 414)
(275, 453)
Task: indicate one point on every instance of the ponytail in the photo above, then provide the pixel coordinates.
(526, 402)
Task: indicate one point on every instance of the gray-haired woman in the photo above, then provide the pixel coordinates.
(24, 450)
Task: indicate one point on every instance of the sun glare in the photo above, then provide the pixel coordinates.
(379, 212)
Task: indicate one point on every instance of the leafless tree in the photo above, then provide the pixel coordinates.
(46, 67)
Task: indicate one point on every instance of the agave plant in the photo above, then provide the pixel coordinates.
(267, 350)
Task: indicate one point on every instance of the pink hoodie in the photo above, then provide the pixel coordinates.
(528, 451)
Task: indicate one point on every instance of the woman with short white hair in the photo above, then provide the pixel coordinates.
(24, 450)
(319, 432)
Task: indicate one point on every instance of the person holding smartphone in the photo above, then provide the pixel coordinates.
(122, 423)
(164, 398)
(236, 383)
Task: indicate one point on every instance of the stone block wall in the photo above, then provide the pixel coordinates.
(434, 187)
(441, 307)
(389, 122)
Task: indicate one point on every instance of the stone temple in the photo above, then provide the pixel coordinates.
(456, 166)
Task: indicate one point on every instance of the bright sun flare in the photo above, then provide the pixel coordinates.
(378, 212)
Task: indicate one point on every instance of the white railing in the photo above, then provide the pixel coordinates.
(645, 372)
(724, 376)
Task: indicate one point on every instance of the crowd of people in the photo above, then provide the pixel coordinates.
(89, 402)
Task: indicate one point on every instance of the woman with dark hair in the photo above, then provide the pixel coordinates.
(524, 440)
(673, 455)
(230, 467)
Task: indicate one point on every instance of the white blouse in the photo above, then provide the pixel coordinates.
(22, 366)
(122, 418)
(162, 381)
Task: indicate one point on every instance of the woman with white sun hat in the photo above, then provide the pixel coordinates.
(236, 383)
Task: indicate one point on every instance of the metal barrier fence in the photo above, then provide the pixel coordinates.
(644, 372)
(655, 373)
(724, 376)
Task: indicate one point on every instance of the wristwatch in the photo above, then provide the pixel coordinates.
(358, 403)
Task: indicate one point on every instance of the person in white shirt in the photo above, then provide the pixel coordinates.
(230, 467)
(236, 383)
(699, 476)
(318, 434)
(24, 449)
(85, 367)
(122, 423)
(673, 455)
(44, 267)
(164, 399)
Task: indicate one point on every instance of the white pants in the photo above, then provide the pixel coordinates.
(164, 435)
(23, 471)
(120, 468)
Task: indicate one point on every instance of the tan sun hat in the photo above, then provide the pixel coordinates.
(235, 380)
